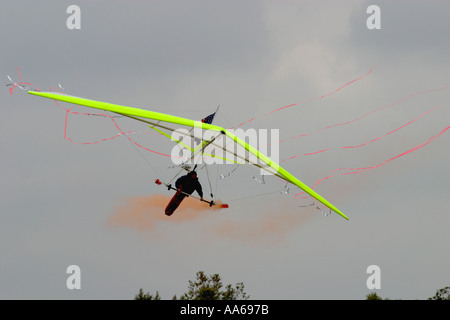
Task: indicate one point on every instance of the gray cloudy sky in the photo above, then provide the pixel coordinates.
(186, 57)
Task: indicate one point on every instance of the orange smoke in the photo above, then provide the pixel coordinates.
(270, 227)
(266, 227)
(146, 212)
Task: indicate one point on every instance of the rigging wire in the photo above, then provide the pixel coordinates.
(254, 196)
(137, 149)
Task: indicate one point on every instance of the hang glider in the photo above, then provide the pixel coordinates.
(220, 138)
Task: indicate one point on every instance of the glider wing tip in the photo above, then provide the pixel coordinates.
(341, 214)
(344, 216)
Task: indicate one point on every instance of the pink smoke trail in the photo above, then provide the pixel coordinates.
(373, 140)
(308, 100)
(366, 114)
(69, 112)
(362, 169)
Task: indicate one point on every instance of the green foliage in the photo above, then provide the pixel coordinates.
(441, 294)
(210, 288)
(373, 296)
(146, 296)
(204, 288)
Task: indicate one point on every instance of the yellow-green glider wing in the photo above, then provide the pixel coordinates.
(270, 165)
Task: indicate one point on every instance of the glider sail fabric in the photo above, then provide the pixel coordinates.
(220, 138)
